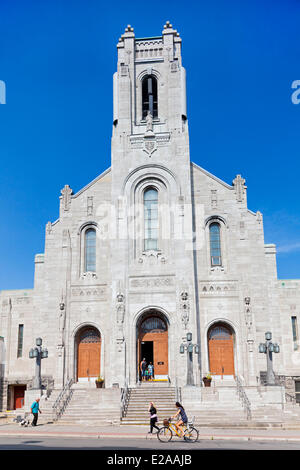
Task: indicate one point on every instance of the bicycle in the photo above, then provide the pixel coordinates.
(189, 433)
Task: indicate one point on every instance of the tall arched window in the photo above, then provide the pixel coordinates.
(90, 250)
(149, 96)
(215, 244)
(151, 219)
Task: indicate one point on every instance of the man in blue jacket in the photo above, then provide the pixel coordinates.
(35, 409)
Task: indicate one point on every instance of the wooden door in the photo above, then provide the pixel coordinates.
(155, 329)
(160, 354)
(89, 353)
(221, 353)
(19, 394)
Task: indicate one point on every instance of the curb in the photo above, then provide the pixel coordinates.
(100, 435)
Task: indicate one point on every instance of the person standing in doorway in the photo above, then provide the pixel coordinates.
(151, 371)
(143, 367)
(35, 409)
(153, 417)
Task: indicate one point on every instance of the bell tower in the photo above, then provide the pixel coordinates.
(151, 253)
(149, 93)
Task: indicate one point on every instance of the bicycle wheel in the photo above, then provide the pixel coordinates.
(191, 434)
(164, 434)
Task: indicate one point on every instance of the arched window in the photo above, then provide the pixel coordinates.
(149, 96)
(151, 219)
(90, 250)
(215, 244)
(153, 324)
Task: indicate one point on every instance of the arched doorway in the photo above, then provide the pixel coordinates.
(152, 344)
(88, 342)
(221, 349)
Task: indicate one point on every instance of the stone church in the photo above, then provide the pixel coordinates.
(156, 258)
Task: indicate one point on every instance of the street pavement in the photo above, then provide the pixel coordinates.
(141, 432)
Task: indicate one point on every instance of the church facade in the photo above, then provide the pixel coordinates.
(153, 249)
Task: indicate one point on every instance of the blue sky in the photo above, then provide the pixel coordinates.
(57, 59)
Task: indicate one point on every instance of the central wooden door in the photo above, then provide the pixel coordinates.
(221, 351)
(89, 353)
(154, 330)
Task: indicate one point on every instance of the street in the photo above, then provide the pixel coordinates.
(128, 444)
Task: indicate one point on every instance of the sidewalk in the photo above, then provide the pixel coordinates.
(140, 432)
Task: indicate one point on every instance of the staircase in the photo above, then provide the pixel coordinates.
(162, 395)
(86, 407)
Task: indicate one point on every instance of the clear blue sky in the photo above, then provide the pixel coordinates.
(57, 59)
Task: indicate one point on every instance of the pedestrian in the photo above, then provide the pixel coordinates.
(151, 371)
(153, 417)
(35, 409)
(143, 367)
(183, 417)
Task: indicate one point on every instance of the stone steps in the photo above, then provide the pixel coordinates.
(85, 407)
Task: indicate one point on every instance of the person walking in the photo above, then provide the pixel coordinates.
(35, 409)
(183, 417)
(153, 417)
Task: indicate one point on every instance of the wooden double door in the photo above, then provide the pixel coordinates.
(221, 350)
(153, 345)
(88, 354)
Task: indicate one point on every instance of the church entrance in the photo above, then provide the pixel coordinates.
(221, 350)
(152, 344)
(88, 354)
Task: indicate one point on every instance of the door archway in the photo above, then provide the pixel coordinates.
(88, 342)
(221, 349)
(152, 344)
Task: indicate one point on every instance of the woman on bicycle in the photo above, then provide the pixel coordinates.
(183, 417)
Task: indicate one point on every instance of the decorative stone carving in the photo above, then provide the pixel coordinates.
(152, 257)
(184, 308)
(149, 122)
(89, 293)
(66, 197)
(120, 309)
(213, 199)
(90, 205)
(49, 228)
(155, 283)
(65, 238)
(259, 217)
(120, 315)
(150, 145)
(218, 288)
(239, 186)
(61, 321)
(88, 275)
(160, 140)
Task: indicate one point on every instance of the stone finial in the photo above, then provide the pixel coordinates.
(129, 29)
(168, 25)
(66, 193)
(168, 29)
(239, 186)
